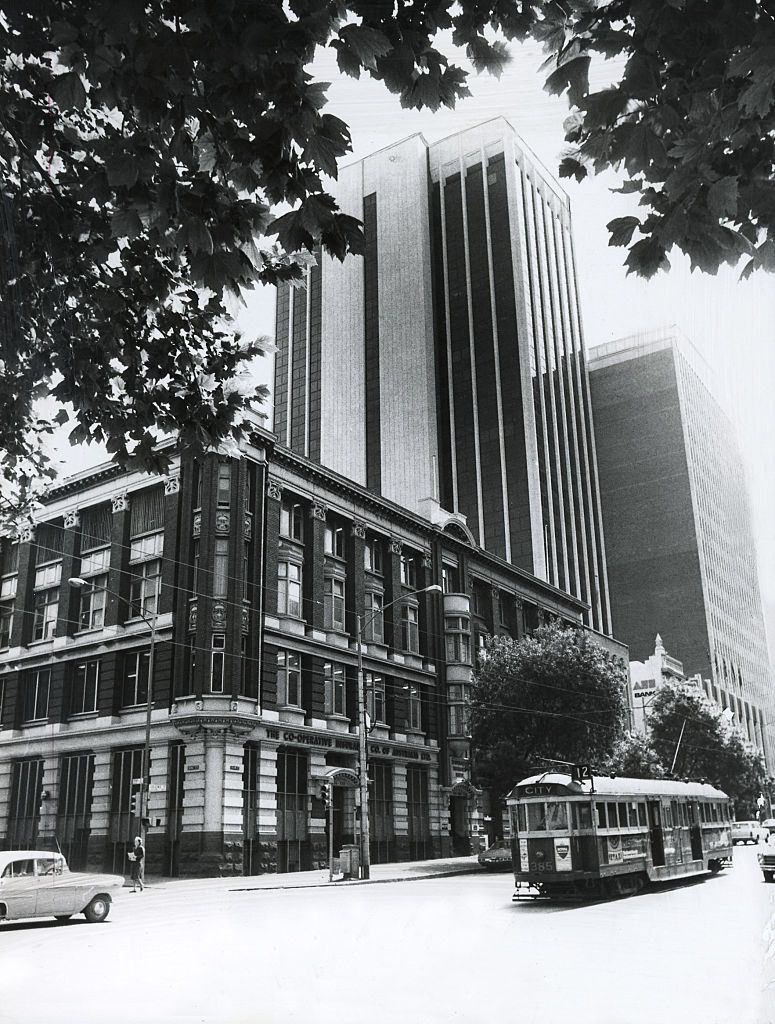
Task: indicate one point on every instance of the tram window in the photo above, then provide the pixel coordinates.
(601, 818)
(642, 819)
(714, 811)
(667, 817)
(674, 811)
(613, 817)
(703, 817)
(582, 816)
(632, 815)
(536, 818)
(556, 814)
(693, 814)
(521, 826)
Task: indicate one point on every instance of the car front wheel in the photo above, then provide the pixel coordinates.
(98, 910)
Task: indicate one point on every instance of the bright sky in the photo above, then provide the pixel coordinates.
(731, 322)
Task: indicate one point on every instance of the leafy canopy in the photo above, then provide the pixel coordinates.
(147, 148)
(711, 746)
(554, 694)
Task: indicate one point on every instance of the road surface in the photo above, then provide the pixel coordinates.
(431, 951)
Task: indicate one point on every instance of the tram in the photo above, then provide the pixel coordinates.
(602, 837)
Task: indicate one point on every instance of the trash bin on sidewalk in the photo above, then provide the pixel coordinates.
(349, 861)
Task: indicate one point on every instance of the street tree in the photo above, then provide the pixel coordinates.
(159, 159)
(555, 694)
(634, 757)
(688, 728)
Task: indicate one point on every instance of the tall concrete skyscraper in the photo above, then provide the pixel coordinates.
(445, 368)
(681, 554)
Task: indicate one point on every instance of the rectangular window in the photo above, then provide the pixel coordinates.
(8, 587)
(334, 541)
(46, 611)
(93, 596)
(146, 512)
(536, 817)
(95, 562)
(372, 556)
(217, 662)
(582, 816)
(49, 543)
(374, 620)
(642, 819)
(135, 678)
(410, 638)
(289, 678)
(336, 688)
(375, 696)
(292, 520)
(613, 817)
(10, 557)
(333, 603)
(224, 484)
(221, 567)
(289, 589)
(450, 578)
(48, 575)
(145, 588)
(6, 623)
(96, 528)
(143, 548)
(84, 687)
(36, 695)
(415, 707)
(408, 571)
(601, 816)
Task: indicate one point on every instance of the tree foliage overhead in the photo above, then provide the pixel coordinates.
(711, 746)
(553, 694)
(690, 119)
(159, 158)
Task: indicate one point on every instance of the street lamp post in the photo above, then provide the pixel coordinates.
(142, 807)
(363, 768)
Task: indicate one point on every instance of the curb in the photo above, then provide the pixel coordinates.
(359, 881)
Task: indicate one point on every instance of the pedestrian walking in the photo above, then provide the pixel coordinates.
(137, 857)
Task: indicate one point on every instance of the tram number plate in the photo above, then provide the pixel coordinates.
(540, 866)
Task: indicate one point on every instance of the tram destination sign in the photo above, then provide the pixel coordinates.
(543, 789)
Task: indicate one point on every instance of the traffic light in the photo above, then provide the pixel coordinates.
(325, 793)
(133, 805)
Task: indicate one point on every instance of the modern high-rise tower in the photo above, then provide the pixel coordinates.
(681, 553)
(445, 369)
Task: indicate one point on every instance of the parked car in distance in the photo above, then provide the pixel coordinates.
(768, 828)
(38, 883)
(745, 831)
(497, 857)
(766, 857)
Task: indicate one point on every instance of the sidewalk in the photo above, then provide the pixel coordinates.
(380, 873)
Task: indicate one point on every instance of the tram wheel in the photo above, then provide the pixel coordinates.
(714, 866)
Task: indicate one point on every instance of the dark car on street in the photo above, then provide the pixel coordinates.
(497, 857)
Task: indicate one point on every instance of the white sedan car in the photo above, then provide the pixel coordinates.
(38, 883)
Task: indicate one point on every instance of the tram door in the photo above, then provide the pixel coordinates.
(655, 834)
(695, 835)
